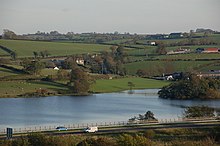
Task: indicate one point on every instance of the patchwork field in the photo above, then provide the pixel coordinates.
(158, 66)
(26, 48)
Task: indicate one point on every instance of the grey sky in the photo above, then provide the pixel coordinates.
(134, 16)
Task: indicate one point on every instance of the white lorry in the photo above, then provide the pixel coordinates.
(91, 129)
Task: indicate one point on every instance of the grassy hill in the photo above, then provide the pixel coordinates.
(26, 48)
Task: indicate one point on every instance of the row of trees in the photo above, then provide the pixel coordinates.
(148, 116)
(109, 62)
(190, 42)
(199, 112)
(191, 87)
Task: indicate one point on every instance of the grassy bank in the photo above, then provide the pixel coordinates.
(115, 85)
(19, 88)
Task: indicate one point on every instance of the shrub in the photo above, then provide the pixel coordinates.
(149, 134)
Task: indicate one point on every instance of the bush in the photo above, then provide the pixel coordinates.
(149, 134)
(206, 142)
(37, 139)
(199, 112)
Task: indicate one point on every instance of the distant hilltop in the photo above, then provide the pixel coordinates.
(93, 37)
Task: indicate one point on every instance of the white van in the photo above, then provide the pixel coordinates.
(91, 129)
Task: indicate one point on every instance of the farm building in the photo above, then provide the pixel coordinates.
(153, 43)
(175, 35)
(207, 50)
(56, 68)
(209, 74)
(211, 50)
(80, 61)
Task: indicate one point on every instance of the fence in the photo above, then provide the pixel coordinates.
(105, 124)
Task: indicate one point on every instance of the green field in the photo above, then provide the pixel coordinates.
(191, 56)
(158, 66)
(21, 87)
(26, 48)
(116, 85)
(48, 71)
(15, 88)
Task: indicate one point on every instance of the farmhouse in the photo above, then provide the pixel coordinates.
(172, 76)
(181, 50)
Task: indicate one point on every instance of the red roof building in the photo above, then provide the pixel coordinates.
(210, 50)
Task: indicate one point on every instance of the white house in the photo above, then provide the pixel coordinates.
(152, 43)
(56, 68)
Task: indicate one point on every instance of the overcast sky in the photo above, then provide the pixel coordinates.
(134, 16)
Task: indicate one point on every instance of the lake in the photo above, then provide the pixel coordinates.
(107, 107)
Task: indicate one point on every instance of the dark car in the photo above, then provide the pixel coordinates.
(60, 128)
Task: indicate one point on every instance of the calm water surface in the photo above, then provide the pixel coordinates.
(58, 110)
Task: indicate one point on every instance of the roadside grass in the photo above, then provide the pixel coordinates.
(115, 85)
(15, 88)
(157, 66)
(26, 48)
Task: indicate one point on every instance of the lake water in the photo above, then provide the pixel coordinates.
(59, 110)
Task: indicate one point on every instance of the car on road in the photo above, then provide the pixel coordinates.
(61, 128)
(91, 129)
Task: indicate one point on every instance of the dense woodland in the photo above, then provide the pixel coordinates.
(192, 87)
